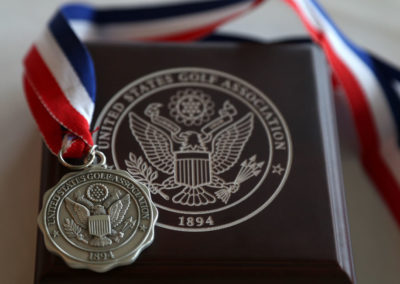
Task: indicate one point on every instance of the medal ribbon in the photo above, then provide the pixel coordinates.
(60, 86)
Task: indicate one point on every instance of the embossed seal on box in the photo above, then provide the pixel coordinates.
(196, 129)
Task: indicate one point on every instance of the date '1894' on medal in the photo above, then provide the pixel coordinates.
(100, 256)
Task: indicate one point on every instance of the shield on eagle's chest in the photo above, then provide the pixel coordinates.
(99, 225)
(192, 168)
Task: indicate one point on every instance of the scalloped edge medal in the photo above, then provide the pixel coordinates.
(97, 218)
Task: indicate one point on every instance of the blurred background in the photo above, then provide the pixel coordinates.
(374, 25)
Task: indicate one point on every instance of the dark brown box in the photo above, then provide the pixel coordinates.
(300, 237)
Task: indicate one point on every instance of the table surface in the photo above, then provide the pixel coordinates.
(374, 25)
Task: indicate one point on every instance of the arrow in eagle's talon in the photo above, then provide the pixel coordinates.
(129, 223)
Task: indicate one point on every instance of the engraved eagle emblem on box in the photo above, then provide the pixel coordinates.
(193, 159)
(212, 149)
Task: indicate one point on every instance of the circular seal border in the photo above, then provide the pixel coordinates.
(233, 78)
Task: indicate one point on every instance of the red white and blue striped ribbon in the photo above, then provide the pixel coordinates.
(60, 81)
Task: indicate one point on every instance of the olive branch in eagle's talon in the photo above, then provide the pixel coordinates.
(144, 173)
(73, 230)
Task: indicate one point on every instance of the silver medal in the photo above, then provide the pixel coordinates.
(97, 218)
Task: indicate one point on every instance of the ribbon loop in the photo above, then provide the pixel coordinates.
(60, 81)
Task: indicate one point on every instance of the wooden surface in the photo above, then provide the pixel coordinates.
(293, 236)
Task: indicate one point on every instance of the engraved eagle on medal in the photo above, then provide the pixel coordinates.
(194, 158)
(96, 216)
